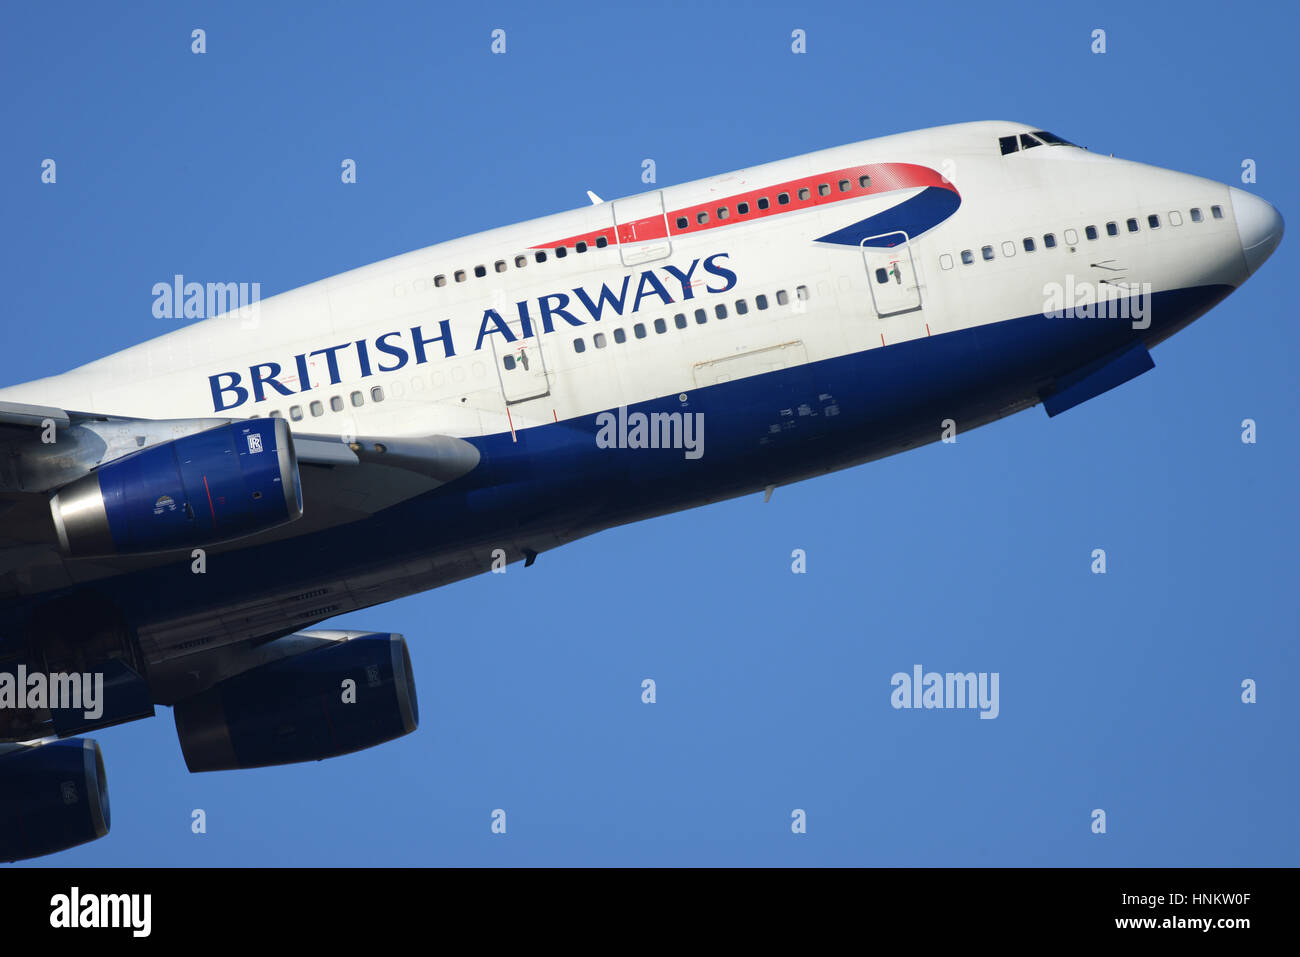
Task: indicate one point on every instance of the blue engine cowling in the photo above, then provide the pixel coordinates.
(300, 709)
(52, 797)
(200, 489)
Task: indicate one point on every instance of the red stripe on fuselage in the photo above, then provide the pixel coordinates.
(883, 178)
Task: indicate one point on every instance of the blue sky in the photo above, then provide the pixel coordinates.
(1119, 692)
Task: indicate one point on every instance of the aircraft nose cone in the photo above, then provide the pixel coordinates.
(1259, 226)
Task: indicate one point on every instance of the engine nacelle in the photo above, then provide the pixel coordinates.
(213, 486)
(52, 797)
(349, 693)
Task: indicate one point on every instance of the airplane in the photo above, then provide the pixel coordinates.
(180, 516)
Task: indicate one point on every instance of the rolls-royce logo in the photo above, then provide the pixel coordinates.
(254, 443)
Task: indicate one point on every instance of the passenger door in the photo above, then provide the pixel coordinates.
(891, 274)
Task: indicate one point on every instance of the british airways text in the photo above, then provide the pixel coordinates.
(391, 351)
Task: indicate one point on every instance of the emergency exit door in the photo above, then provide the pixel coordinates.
(521, 365)
(891, 274)
(641, 228)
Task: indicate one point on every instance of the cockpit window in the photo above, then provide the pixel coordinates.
(1027, 141)
(1052, 139)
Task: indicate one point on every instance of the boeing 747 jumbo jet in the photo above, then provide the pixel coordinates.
(179, 515)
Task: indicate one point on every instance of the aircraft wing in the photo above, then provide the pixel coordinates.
(43, 449)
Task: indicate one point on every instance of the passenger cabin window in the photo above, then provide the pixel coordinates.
(598, 340)
(823, 190)
(1071, 237)
(986, 252)
(561, 252)
(1049, 241)
(742, 307)
(295, 413)
(844, 185)
(805, 194)
(742, 209)
(1175, 218)
(782, 297)
(1132, 225)
(336, 403)
(679, 320)
(764, 202)
(660, 326)
(864, 182)
(521, 262)
(1090, 232)
(1028, 243)
(967, 257)
(620, 335)
(723, 212)
(761, 301)
(440, 280)
(702, 217)
(480, 272)
(682, 222)
(783, 198)
(1196, 215)
(460, 275)
(1216, 212)
(945, 261)
(357, 399)
(881, 275)
(1153, 221)
(720, 310)
(639, 330)
(579, 345)
(377, 394)
(1112, 229)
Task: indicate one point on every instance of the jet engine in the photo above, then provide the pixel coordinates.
(349, 691)
(52, 797)
(213, 486)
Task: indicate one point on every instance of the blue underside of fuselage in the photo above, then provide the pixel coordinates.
(554, 483)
